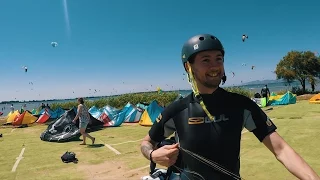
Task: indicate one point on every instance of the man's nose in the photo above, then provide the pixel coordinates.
(215, 64)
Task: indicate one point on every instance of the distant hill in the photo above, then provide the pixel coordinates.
(273, 81)
(270, 81)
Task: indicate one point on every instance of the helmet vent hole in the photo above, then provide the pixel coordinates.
(212, 37)
(201, 38)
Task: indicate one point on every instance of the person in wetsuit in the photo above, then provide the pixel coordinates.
(209, 122)
(265, 93)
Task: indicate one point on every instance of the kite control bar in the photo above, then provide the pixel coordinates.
(171, 168)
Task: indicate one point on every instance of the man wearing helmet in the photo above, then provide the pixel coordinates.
(208, 123)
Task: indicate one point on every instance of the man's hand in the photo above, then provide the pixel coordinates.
(166, 155)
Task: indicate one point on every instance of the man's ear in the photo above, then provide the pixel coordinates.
(186, 67)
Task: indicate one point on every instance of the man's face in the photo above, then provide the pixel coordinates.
(208, 68)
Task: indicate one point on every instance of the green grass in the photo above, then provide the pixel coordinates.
(42, 159)
(298, 124)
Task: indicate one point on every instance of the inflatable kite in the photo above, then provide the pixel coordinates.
(64, 129)
(244, 37)
(54, 44)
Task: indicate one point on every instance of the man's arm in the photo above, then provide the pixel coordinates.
(264, 129)
(289, 158)
(161, 129)
(147, 145)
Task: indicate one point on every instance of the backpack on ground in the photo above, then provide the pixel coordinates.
(68, 157)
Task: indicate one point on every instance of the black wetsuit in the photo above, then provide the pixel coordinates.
(265, 92)
(217, 141)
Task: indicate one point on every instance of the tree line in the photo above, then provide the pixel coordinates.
(299, 65)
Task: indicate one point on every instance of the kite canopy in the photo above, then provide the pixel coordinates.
(25, 68)
(54, 44)
(63, 129)
(244, 37)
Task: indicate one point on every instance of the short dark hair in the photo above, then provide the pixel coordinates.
(81, 101)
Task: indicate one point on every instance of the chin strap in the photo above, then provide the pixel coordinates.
(196, 91)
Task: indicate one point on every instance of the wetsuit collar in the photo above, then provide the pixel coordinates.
(214, 94)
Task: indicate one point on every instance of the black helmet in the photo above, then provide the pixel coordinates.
(200, 43)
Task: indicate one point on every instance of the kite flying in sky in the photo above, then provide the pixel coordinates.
(244, 37)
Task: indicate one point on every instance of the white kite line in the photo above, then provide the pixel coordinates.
(126, 142)
(18, 160)
(109, 146)
(112, 149)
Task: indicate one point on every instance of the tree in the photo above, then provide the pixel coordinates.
(312, 81)
(298, 65)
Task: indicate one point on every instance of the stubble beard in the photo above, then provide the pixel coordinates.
(209, 83)
(212, 84)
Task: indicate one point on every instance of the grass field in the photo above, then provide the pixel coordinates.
(299, 124)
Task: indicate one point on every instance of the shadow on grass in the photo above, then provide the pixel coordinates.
(269, 109)
(295, 117)
(95, 145)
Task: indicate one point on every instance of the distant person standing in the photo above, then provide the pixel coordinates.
(265, 93)
(84, 118)
(11, 108)
(23, 108)
(43, 106)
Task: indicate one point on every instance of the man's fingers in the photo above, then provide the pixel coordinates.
(163, 160)
(174, 158)
(176, 145)
(172, 161)
(173, 151)
(171, 146)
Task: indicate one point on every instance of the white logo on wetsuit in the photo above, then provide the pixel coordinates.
(222, 117)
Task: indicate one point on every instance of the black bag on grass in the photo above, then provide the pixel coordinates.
(68, 157)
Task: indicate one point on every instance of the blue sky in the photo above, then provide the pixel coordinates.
(117, 46)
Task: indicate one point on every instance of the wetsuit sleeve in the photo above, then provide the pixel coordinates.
(256, 121)
(163, 127)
